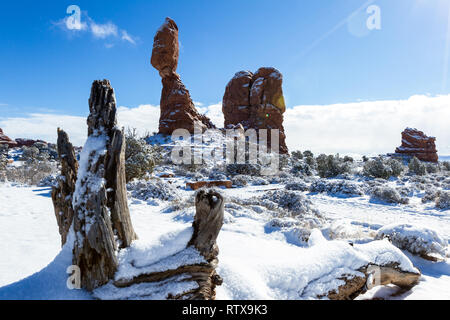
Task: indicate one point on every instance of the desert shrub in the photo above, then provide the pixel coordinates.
(388, 195)
(31, 173)
(140, 157)
(432, 168)
(302, 168)
(348, 159)
(240, 180)
(383, 169)
(153, 189)
(446, 165)
(365, 159)
(297, 155)
(417, 167)
(294, 202)
(258, 181)
(297, 186)
(29, 154)
(331, 166)
(443, 201)
(247, 169)
(308, 154)
(431, 195)
(337, 188)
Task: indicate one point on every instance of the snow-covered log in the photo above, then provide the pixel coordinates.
(62, 193)
(188, 274)
(102, 220)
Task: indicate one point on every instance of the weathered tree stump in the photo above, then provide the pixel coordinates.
(62, 194)
(100, 205)
(207, 223)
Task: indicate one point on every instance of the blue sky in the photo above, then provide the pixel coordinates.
(44, 68)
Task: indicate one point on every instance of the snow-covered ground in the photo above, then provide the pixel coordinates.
(256, 260)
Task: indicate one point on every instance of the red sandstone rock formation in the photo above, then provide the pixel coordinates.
(177, 109)
(209, 184)
(416, 143)
(27, 142)
(7, 140)
(256, 101)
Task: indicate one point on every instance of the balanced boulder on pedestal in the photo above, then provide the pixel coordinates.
(177, 108)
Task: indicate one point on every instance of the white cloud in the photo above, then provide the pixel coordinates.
(367, 127)
(3, 104)
(127, 37)
(213, 112)
(352, 128)
(144, 118)
(99, 31)
(103, 31)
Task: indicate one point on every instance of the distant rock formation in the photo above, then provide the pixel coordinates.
(256, 102)
(102, 222)
(4, 139)
(177, 109)
(416, 144)
(27, 142)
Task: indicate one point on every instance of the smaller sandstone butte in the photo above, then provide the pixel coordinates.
(177, 109)
(4, 139)
(256, 102)
(62, 193)
(416, 143)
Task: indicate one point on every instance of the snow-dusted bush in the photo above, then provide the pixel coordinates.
(247, 169)
(153, 189)
(140, 157)
(417, 167)
(388, 195)
(432, 168)
(30, 173)
(381, 168)
(294, 202)
(297, 186)
(29, 154)
(337, 188)
(308, 154)
(297, 155)
(258, 181)
(443, 201)
(415, 239)
(431, 195)
(240, 180)
(331, 166)
(3, 160)
(446, 165)
(302, 168)
(49, 181)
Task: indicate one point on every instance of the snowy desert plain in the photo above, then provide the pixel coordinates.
(285, 236)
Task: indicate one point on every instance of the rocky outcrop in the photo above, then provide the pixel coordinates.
(256, 102)
(416, 144)
(102, 222)
(177, 109)
(4, 139)
(27, 142)
(62, 193)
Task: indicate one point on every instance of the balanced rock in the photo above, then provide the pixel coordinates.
(256, 102)
(4, 139)
(177, 108)
(416, 144)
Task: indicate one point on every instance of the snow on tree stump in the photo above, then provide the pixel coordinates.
(207, 223)
(62, 193)
(102, 222)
